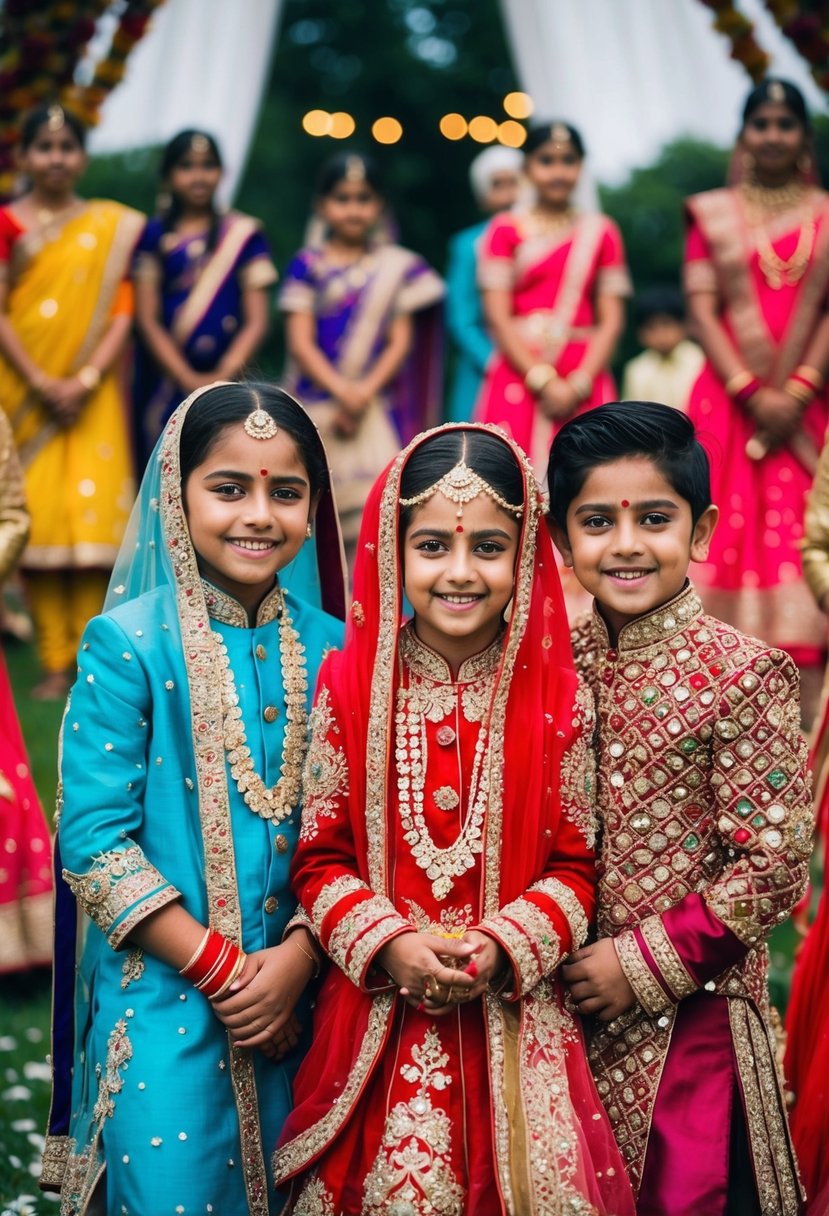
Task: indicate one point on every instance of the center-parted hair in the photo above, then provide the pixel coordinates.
(623, 429)
(228, 405)
(485, 454)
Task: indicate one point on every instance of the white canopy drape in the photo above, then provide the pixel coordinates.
(203, 63)
(633, 75)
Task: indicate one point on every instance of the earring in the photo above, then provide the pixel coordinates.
(506, 615)
(804, 163)
(309, 531)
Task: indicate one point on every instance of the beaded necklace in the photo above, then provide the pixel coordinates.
(276, 802)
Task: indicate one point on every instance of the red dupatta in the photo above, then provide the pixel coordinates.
(534, 690)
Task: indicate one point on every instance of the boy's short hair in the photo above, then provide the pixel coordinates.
(628, 428)
(661, 301)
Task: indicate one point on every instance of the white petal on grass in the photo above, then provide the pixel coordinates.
(23, 1125)
(34, 1034)
(37, 1140)
(17, 1093)
(37, 1070)
(7, 1043)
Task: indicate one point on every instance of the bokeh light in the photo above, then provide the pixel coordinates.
(453, 126)
(483, 129)
(342, 125)
(317, 122)
(511, 133)
(518, 105)
(386, 130)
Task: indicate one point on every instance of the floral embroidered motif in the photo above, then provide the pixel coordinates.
(453, 922)
(325, 780)
(570, 905)
(412, 1172)
(578, 771)
(331, 894)
(446, 799)
(132, 967)
(110, 1081)
(314, 1200)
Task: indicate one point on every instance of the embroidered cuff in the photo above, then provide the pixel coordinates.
(260, 272)
(53, 1162)
(361, 933)
(570, 905)
(530, 940)
(119, 891)
(299, 920)
(613, 281)
(330, 896)
(497, 274)
(296, 297)
(673, 973)
(649, 993)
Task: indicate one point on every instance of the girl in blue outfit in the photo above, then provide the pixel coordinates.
(201, 278)
(182, 751)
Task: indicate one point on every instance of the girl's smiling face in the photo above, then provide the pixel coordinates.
(194, 178)
(54, 160)
(248, 505)
(458, 573)
(350, 210)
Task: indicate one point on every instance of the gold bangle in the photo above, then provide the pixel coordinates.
(539, 376)
(89, 376)
(197, 953)
(802, 393)
(307, 954)
(738, 381)
(812, 375)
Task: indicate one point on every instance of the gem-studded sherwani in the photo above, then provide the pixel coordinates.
(705, 808)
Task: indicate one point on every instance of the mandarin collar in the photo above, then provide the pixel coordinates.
(662, 623)
(425, 662)
(228, 611)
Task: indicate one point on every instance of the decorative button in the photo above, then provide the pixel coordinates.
(270, 713)
(271, 904)
(281, 843)
(445, 736)
(261, 652)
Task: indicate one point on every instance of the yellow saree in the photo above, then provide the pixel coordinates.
(63, 278)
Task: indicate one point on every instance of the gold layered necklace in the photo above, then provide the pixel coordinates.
(764, 203)
(276, 802)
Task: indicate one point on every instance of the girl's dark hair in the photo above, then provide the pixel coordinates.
(174, 152)
(344, 167)
(770, 90)
(41, 117)
(664, 300)
(619, 430)
(542, 133)
(487, 455)
(229, 404)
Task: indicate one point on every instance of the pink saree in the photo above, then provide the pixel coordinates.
(753, 578)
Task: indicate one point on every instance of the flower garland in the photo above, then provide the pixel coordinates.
(806, 24)
(41, 44)
(737, 28)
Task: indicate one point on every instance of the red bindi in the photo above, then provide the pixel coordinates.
(625, 502)
(459, 528)
(263, 472)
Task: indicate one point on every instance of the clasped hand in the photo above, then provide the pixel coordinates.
(259, 1008)
(417, 963)
(596, 981)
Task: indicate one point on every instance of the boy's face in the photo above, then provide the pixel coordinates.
(661, 333)
(630, 539)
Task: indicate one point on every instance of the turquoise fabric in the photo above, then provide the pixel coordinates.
(169, 1135)
(465, 322)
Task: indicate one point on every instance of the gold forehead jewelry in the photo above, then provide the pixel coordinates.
(199, 143)
(775, 91)
(355, 169)
(260, 425)
(55, 117)
(560, 134)
(461, 485)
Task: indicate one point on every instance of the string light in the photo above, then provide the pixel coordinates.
(386, 130)
(518, 105)
(317, 122)
(483, 129)
(453, 126)
(342, 125)
(511, 133)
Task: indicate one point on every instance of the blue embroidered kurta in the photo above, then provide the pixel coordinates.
(152, 1097)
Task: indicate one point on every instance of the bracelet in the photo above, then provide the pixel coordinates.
(742, 386)
(215, 965)
(196, 953)
(810, 375)
(802, 393)
(89, 376)
(581, 383)
(314, 959)
(539, 375)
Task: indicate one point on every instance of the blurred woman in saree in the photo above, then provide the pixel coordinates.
(65, 314)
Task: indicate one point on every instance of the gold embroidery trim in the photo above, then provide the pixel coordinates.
(674, 972)
(649, 994)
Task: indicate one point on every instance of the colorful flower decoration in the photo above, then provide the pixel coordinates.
(806, 25)
(737, 28)
(41, 45)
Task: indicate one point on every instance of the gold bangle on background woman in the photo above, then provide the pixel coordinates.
(539, 376)
(89, 376)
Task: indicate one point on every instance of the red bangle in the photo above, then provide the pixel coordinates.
(215, 965)
(744, 394)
